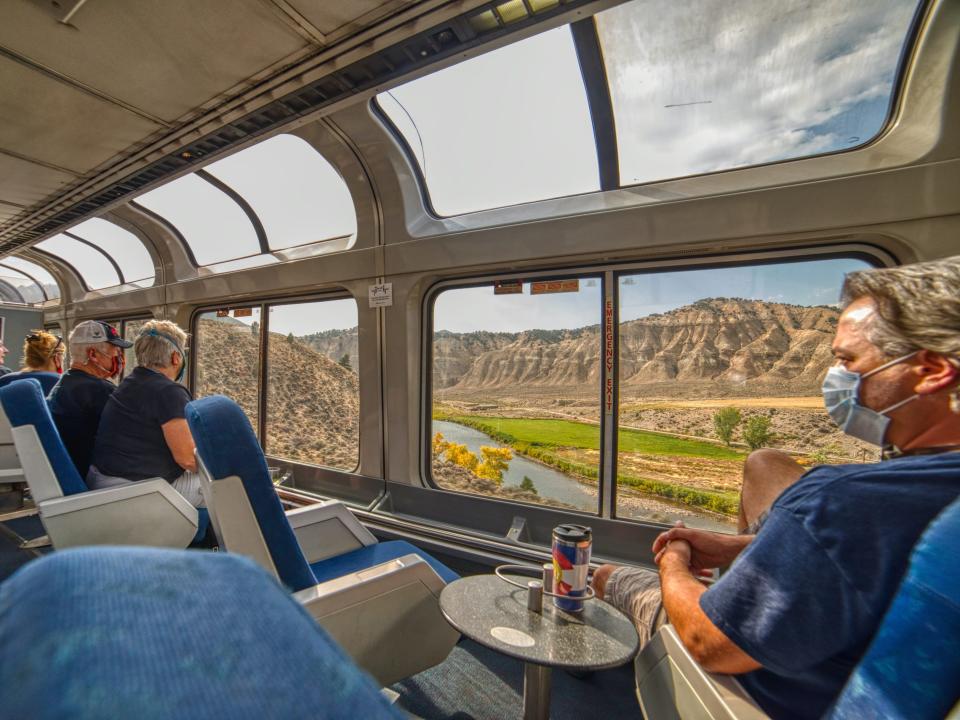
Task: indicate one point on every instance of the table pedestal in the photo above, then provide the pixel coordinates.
(536, 692)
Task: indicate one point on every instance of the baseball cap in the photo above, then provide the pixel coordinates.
(95, 331)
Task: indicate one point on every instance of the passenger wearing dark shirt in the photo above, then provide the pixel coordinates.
(78, 399)
(143, 431)
(42, 360)
(805, 594)
(3, 356)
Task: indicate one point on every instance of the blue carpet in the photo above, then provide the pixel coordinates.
(475, 683)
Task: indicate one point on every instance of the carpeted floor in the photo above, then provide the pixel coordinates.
(475, 683)
(12, 533)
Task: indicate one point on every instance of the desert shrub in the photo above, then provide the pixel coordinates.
(756, 432)
(495, 461)
(725, 421)
(527, 484)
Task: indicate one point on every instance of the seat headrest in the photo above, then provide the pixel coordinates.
(24, 404)
(228, 446)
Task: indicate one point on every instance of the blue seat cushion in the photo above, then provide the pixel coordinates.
(367, 557)
(203, 522)
(24, 404)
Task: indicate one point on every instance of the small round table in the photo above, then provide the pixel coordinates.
(494, 613)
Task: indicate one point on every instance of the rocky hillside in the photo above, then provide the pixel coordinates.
(335, 344)
(313, 402)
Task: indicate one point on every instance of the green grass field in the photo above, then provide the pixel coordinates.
(567, 433)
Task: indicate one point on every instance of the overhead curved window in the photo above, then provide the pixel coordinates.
(17, 287)
(213, 224)
(511, 126)
(93, 266)
(297, 195)
(123, 246)
(703, 87)
(38, 273)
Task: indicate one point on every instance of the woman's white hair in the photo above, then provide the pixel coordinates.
(153, 351)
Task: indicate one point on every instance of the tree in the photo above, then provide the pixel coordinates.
(756, 432)
(527, 484)
(345, 361)
(725, 421)
(255, 328)
(290, 338)
(495, 461)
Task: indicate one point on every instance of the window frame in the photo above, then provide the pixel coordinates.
(610, 274)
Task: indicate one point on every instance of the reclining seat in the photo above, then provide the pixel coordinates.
(380, 601)
(11, 474)
(144, 513)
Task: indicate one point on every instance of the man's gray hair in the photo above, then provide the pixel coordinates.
(153, 351)
(918, 306)
(78, 350)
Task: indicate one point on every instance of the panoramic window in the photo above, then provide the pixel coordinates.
(215, 227)
(227, 351)
(130, 330)
(94, 267)
(17, 287)
(698, 88)
(297, 195)
(313, 392)
(715, 363)
(123, 246)
(516, 391)
(507, 127)
(37, 273)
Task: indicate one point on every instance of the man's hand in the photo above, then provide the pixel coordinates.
(675, 551)
(708, 550)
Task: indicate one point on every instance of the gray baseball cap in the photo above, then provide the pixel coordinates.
(95, 331)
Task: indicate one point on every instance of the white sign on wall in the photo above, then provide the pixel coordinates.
(381, 295)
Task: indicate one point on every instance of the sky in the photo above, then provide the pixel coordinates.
(308, 318)
(800, 283)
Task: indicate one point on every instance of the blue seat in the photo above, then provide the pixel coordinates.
(144, 513)
(912, 668)
(380, 601)
(46, 379)
(148, 633)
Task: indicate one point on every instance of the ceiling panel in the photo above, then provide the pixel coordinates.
(165, 58)
(330, 15)
(48, 120)
(25, 183)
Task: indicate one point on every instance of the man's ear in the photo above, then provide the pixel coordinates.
(935, 373)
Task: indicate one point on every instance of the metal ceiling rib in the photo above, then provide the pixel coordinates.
(230, 125)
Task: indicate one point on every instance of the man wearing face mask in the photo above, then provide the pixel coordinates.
(805, 594)
(77, 400)
(143, 432)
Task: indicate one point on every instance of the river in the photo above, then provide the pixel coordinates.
(555, 485)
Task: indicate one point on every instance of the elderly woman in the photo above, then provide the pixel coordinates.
(42, 360)
(143, 433)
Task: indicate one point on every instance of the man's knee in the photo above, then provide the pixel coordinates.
(600, 577)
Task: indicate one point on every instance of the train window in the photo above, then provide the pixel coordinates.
(313, 392)
(123, 246)
(516, 391)
(295, 192)
(508, 127)
(227, 351)
(697, 91)
(94, 267)
(39, 274)
(213, 224)
(131, 328)
(17, 287)
(714, 363)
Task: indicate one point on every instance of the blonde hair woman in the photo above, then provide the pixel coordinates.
(143, 433)
(42, 360)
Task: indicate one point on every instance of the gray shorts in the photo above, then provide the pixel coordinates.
(636, 593)
(187, 484)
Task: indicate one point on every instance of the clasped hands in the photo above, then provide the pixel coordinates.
(698, 550)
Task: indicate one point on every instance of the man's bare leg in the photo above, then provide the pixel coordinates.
(766, 474)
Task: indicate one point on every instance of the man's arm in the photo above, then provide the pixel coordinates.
(681, 599)
(177, 434)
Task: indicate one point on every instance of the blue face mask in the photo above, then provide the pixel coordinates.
(841, 393)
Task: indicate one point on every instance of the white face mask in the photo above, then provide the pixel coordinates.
(841, 393)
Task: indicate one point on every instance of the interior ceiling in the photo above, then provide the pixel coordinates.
(89, 86)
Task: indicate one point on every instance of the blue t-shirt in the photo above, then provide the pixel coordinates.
(47, 379)
(76, 403)
(807, 595)
(130, 442)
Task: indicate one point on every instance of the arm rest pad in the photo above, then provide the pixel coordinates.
(328, 529)
(105, 496)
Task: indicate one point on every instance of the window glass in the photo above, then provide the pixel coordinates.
(295, 192)
(714, 363)
(508, 127)
(313, 392)
(95, 270)
(17, 287)
(123, 246)
(130, 330)
(227, 351)
(516, 391)
(215, 227)
(701, 87)
(37, 272)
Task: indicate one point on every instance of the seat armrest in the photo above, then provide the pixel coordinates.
(328, 529)
(672, 685)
